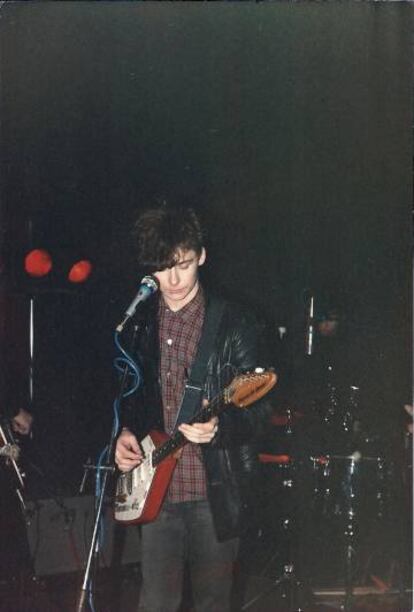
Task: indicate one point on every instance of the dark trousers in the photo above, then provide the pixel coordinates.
(183, 535)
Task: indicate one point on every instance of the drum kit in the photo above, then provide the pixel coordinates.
(329, 492)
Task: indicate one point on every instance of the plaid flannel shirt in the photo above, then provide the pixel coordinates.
(179, 335)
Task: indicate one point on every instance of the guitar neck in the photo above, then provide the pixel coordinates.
(178, 440)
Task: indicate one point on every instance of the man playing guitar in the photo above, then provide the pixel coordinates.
(208, 497)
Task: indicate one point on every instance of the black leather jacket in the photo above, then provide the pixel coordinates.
(230, 459)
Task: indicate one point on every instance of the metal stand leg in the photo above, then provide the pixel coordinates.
(92, 561)
(349, 585)
(289, 585)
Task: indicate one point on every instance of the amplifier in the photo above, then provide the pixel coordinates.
(59, 533)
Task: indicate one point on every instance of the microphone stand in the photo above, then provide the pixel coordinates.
(107, 469)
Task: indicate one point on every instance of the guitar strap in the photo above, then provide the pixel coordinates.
(194, 387)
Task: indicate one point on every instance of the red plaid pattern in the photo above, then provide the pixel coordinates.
(179, 335)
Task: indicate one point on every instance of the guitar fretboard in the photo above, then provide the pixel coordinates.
(178, 440)
(249, 387)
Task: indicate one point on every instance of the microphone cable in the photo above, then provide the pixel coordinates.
(126, 366)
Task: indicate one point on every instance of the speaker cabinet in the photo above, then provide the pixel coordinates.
(59, 533)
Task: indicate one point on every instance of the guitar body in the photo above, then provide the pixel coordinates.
(140, 492)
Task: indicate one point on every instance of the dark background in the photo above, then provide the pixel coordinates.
(288, 126)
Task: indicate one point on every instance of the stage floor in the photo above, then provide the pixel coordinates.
(119, 593)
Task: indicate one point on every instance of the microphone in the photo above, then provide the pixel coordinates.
(148, 286)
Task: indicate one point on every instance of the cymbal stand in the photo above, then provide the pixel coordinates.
(349, 533)
(288, 582)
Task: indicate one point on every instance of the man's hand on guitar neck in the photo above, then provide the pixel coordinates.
(128, 453)
(200, 433)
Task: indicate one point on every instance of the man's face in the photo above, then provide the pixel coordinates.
(328, 327)
(179, 284)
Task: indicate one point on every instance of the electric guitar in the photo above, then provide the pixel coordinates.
(140, 492)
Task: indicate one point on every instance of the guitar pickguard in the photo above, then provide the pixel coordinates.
(133, 487)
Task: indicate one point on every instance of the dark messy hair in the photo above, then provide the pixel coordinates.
(161, 231)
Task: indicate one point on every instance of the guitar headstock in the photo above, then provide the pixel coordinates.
(245, 389)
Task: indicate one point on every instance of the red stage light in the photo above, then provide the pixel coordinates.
(80, 271)
(38, 263)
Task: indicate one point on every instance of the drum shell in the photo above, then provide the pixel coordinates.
(349, 487)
